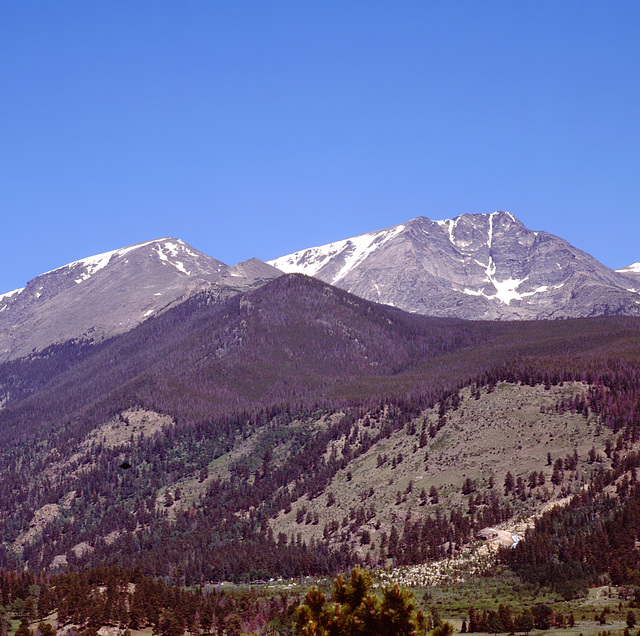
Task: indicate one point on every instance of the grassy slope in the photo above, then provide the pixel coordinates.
(502, 431)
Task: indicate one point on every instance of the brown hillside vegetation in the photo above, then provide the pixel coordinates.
(297, 429)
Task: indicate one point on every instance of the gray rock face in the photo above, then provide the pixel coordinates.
(476, 266)
(110, 293)
(251, 273)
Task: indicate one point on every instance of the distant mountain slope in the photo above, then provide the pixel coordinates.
(476, 266)
(293, 339)
(205, 433)
(110, 293)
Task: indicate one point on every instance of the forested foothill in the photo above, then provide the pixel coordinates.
(127, 600)
(299, 431)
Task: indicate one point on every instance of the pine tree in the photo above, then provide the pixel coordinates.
(23, 630)
(355, 611)
(509, 483)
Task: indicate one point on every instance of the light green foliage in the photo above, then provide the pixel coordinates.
(23, 630)
(444, 629)
(355, 612)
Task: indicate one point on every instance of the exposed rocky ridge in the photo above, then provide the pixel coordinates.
(111, 293)
(476, 266)
(248, 273)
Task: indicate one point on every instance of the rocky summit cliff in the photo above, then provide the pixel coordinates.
(475, 266)
(110, 293)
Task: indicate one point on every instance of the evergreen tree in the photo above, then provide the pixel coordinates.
(494, 624)
(509, 483)
(23, 630)
(525, 622)
(444, 629)
(354, 611)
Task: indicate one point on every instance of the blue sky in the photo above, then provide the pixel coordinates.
(253, 128)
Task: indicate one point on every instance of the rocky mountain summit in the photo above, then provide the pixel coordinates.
(111, 293)
(475, 266)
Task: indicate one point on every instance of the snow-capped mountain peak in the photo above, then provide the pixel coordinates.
(112, 292)
(634, 268)
(478, 266)
(632, 272)
(474, 266)
(168, 250)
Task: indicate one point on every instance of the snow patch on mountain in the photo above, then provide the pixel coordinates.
(167, 249)
(11, 293)
(93, 264)
(633, 268)
(490, 236)
(633, 273)
(507, 290)
(353, 251)
(362, 247)
(172, 251)
(449, 225)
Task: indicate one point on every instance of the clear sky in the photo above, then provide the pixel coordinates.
(257, 128)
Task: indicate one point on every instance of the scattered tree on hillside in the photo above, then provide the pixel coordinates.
(509, 483)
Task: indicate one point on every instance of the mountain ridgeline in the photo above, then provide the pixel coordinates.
(160, 409)
(111, 293)
(294, 340)
(474, 267)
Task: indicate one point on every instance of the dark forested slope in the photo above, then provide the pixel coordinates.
(290, 341)
(183, 442)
